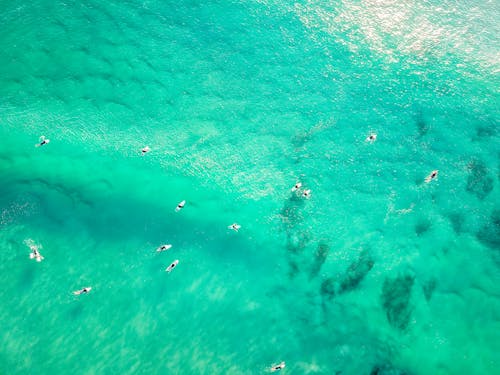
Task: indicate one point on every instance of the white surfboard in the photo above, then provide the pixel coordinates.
(172, 266)
(82, 291)
(180, 206)
(234, 227)
(163, 248)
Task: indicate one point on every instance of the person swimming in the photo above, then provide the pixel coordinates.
(180, 206)
(307, 193)
(297, 186)
(43, 141)
(145, 150)
(431, 176)
(372, 137)
(163, 248)
(35, 254)
(82, 291)
(172, 266)
(234, 227)
(281, 366)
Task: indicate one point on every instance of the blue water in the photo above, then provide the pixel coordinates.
(377, 272)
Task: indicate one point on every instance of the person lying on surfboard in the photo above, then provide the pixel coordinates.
(43, 141)
(82, 291)
(431, 176)
(234, 227)
(372, 137)
(35, 254)
(180, 206)
(163, 248)
(281, 366)
(172, 266)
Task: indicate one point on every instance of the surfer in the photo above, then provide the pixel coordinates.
(145, 150)
(163, 248)
(234, 227)
(297, 186)
(431, 176)
(43, 141)
(35, 254)
(281, 366)
(372, 137)
(307, 193)
(82, 291)
(172, 266)
(180, 206)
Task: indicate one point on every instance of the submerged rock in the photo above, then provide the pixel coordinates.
(396, 295)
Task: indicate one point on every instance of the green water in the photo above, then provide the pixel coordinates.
(377, 273)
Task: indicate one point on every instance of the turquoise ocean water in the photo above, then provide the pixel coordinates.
(377, 273)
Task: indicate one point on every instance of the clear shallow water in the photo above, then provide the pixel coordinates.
(376, 272)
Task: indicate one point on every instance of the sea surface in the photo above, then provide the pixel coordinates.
(376, 273)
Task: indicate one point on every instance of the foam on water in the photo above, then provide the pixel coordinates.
(377, 273)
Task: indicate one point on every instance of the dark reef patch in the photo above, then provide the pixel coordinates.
(293, 268)
(386, 369)
(396, 293)
(479, 182)
(489, 234)
(422, 226)
(422, 126)
(328, 288)
(487, 128)
(319, 258)
(429, 288)
(297, 237)
(457, 221)
(291, 214)
(356, 272)
(296, 243)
